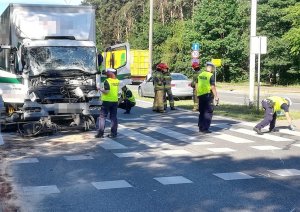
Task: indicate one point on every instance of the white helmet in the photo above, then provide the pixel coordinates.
(111, 70)
(289, 101)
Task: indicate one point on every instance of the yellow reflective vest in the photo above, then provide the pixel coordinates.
(277, 102)
(113, 94)
(131, 99)
(204, 86)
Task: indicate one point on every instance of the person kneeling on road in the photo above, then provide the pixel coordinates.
(109, 97)
(272, 105)
(127, 100)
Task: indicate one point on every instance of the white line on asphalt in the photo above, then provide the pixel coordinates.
(188, 127)
(296, 145)
(265, 148)
(172, 134)
(179, 152)
(172, 180)
(233, 176)
(286, 172)
(111, 184)
(40, 190)
(128, 155)
(221, 150)
(233, 139)
(78, 157)
(110, 144)
(203, 143)
(26, 160)
(264, 136)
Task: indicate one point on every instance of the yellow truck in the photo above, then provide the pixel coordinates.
(139, 63)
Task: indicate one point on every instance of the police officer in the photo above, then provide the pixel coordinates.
(194, 84)
(207, 92)
(158, 82)
(127, 101)
(168, 89)
(109, 99)
(272, 105)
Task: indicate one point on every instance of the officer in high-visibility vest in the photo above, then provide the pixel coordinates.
(194, 84)
(168, 89)
(109, 97)
(207, 93)
(127, 101)
(272, 105)
(158, 83)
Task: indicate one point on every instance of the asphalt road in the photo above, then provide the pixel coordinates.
(158, 163)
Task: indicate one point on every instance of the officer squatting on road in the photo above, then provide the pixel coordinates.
(194, 84)
(272, 105)
(110, 100)
(207, 93)
(127, 100)
(168, 89)
(158, 83)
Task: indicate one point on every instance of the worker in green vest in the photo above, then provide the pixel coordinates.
(194, 84)
(207, 93)
(168, 89)
(272, 106)
(109, 98)
(158, 83)
(127, 101)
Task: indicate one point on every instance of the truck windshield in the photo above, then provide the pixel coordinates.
(54, 58)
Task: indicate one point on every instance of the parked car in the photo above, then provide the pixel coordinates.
(181, 86)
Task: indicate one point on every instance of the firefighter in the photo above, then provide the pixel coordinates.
(168, 89)
(194, 84)
(109, 99)
(127, 100)
(158, 82)
(207, 93)
(272, 105)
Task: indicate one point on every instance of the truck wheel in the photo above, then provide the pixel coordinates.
(140, 92)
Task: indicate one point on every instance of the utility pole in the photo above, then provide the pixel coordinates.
(151, 37)
(252, 56)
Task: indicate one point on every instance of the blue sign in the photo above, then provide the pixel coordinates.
(196, 47)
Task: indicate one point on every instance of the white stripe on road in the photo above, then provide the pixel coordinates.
(233, 139)
(265, 148)
(188, 127)
(111, 184)
(178, 152)
(233, 176)
(221, 150)
(172, 134)
(286, 172)
(26, 160)
(78, 157)
(110, 144)
(40, 190)
(172, 180)
(264, 136)
(141, 138)
(202, 143)
(128, 155)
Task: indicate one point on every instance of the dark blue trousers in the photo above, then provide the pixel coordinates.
(269, 118)
(110, 108)
(206, 109)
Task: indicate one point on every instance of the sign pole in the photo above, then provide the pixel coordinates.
(258, 75)
(151, 37)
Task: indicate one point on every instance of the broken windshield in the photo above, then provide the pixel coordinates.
(62, 58)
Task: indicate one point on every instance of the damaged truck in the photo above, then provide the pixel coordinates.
(49, 67)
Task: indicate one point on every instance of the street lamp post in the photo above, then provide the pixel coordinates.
(252, 55)
(151, 37)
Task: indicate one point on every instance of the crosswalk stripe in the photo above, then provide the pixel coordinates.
(78, 157)
(286, 172)
(26, 160)
(173, 180)
(110, 144)
(141, 138)
(265, 148)
(40, 190)
(233, 139)
(111, 184)
(233, 176)
(264, 136)
(172, 134)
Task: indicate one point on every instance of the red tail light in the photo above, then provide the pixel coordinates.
(173, 85)
(190, 84)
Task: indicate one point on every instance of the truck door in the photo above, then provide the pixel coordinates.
(118, 57)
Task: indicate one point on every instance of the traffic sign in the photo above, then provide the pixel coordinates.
(196, 46)
(195, 54)
(217, 62)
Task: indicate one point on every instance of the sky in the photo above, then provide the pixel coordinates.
(4, 3)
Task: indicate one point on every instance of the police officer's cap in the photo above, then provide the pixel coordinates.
(210, 64)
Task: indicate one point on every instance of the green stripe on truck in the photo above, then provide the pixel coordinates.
(9, 80)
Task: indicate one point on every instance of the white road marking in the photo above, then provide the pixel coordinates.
(264, 136)
(233, 176)
(128, 155)
(111, 184)
(233, 139)
(221, 150)
(296, 145)
(172, 180)
(141, 138)
(26, 160)
(188, 127)
(265, 148)
(40, 190)
(172, 134)
(286, 172)
(78, 157)
(203, 143)
(110, 144)
(176, 152)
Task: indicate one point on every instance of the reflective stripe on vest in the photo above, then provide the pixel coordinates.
(131, 99)
(113, 94)
(204, 86)
(278, 102)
